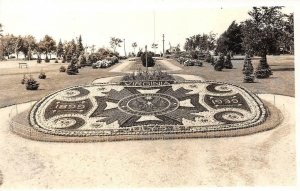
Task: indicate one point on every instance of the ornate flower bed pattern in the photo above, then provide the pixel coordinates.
(147, 108)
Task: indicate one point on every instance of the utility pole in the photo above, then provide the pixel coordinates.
(124, 48)
(163, 44)
(146, 59)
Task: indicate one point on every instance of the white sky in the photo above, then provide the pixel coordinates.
(98, 20)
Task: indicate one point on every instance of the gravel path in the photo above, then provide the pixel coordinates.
(266, 158)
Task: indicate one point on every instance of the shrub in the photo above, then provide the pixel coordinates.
(248, 70)
(56, 60)
(82, 61)
(150, 60)
(208, 58)
(42, 75)
(139, 54)
(156, 75)
(31, 84)
(62, 69)
(227, 63)
(23, 81)
(263, 70)
(72, 68)
(220, 63)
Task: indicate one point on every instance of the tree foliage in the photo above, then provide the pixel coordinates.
(60, 49)
(203, 43)
(115, 42)
(261, 33)
(230, 40)
(47, 45)
(79, 47)
(134, 45)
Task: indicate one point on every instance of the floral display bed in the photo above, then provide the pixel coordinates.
(147, 110)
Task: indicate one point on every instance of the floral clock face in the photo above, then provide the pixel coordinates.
(115, 109)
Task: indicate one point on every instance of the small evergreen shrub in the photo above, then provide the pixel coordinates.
(31, 84)
(72, 69)
(220, 63)
(228, 63)
(248, 70)
(263, 70)
(62, 69)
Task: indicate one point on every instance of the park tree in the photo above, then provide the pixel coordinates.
(202, 43)
(287, 39)
(8, 44)
(19, 45)
(29, 45)
(59, 50)
(115, 42)
(134, 45)
(79, 47)
(49, 45)
(230, 40)
(261, 34)
(40, 49)
(70, 50)
(1, 30)
(1, 47)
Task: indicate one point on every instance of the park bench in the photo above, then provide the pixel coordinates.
(23, 64)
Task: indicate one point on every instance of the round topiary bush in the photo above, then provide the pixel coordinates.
(62, 69)
(42, 75)
(150, 61)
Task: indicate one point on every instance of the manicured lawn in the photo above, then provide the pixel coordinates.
(12, 91)
(281, 82)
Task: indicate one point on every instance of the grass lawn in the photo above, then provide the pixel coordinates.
(281, 82)
(12, 91)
